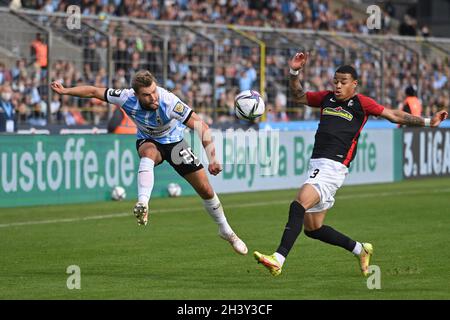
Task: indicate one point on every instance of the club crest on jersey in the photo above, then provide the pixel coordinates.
(180, 109)
(338, 112)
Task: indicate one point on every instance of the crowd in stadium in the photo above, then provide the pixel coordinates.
(28, 79)
(313, 14)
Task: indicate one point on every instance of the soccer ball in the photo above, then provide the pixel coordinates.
(118, 193)
(249, 105)
(174, 190)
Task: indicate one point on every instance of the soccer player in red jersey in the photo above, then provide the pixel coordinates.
(344, 112)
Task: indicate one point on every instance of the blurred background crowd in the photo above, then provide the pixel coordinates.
(24, 85)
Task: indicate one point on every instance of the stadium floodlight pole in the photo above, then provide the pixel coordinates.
(164, 38)
(418, 56)
(214, 64)
(48, 33)
(262, 60)
(381, 51)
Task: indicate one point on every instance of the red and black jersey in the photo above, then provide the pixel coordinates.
(340, 124)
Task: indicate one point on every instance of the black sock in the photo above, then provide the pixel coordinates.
(292, 229)
(329, 235)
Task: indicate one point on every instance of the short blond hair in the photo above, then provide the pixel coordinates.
(142, 79)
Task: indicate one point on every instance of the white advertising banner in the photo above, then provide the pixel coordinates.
(250, 163)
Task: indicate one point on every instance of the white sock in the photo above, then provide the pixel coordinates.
(145, 179)
(215, 210)
(280, 258)
(357, 249)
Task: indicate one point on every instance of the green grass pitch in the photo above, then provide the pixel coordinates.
(179, 255)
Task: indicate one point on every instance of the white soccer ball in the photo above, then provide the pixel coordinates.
(118, 193)
(174, 190)
(249, 105)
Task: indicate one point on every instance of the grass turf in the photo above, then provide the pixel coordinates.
(179, 255)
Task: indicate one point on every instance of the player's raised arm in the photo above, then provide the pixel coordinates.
(80, 91)
(195, 123)
(404, 118)
(295, 66)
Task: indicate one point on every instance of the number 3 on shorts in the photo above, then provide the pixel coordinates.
(315, 173)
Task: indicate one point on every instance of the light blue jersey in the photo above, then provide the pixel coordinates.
(164, 125)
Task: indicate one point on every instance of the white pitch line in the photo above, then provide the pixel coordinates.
(242, 205)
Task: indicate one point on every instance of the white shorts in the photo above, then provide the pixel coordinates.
(326, 176)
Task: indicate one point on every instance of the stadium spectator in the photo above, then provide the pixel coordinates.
(312, 14)
(412, 104)
(408, 26)
(280, 107)
(38, 113)
(425, 31)
(91, 56)
(8, 121)
(440, 79)
(5, 74)
(39, 51)
(225, 108)
(271, 114)
(121, 55)
(120, 123)
(55, 108)
(247, 76)
(72, 115)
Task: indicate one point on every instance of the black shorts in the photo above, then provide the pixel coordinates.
(178, 154)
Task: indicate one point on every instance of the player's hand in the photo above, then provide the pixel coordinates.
(438, 118)
(58, 87)
(298, 61)
(214, 168)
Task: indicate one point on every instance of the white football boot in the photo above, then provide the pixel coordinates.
(141, 213)
(237, 244)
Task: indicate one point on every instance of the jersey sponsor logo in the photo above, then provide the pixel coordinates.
(158, 118)
(338, 112)
(114, 93)
(157, 132)
(180, 109)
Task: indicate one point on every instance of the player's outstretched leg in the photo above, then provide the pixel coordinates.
(145, 186)
(274, 262)
(150, 157)
(306, 198)
(200, 183)
(315, 230)
(140, 211)
(270, 262)
(215, 210)
(364, 258)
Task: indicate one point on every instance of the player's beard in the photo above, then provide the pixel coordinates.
(148, 106)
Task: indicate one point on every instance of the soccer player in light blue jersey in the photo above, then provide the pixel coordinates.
(161, 117)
